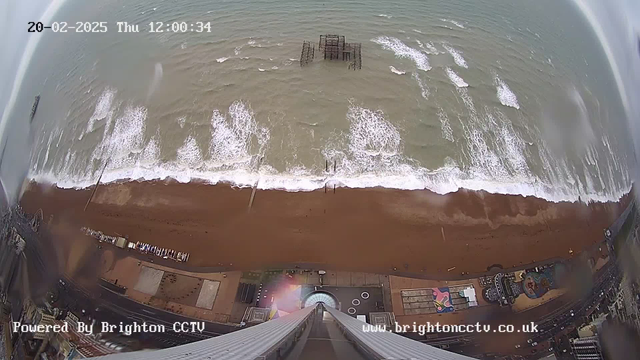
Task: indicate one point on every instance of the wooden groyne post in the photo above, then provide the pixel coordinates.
(96, 187)
(255, 187)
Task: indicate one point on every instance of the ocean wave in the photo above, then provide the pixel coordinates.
(384, 16)
(454, 23)
(190, 154)
(102, 109)
(369, 154)
(121, 146)
(504, 93)
(497, 157)
(424, 89)
(222, 59)
(443, 180)
(455, 78)
(396, 71)
(231, 135)
(428, 48)
(445, 126)
(181, 121)
(401, 50)
(457, 56)
(151, 152)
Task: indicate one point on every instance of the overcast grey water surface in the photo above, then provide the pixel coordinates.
(506, 96)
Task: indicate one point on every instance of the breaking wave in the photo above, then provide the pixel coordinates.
(455, 79)
(447, 133)
(428, 48)
(457, 56)
(370, 153)
(189, 153)
(454, 23)
(102, 109)
(396, 71)
(424, 89)
(401, 50)
(505, 95)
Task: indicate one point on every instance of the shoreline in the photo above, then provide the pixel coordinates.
(371, 229)
(309, 183)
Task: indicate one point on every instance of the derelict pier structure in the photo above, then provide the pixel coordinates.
(333, 47)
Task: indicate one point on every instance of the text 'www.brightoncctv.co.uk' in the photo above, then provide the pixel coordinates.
(428, 327)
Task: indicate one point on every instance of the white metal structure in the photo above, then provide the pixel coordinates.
(273, 339)
(320, 297)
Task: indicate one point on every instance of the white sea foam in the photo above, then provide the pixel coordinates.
(46, 155)
(385, 16)
(396, 71)
(373, 145)
(424, 89)
(505, 95)
(151, 152)
(189, 154)
(102, 109)
(231, 135)
(60, 138)
(222, 59)
(455, 78)
(127, 136)
(447, 133)
(417, 31)
(370, 153)
(457, 56)
(401, 50)
(454, 23)
(181, 121)
(428, 48)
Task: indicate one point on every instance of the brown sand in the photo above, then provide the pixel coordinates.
(373, 230)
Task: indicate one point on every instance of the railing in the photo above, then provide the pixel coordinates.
(387, 345)
(268, 341)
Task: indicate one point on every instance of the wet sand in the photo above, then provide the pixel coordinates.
(373, 230)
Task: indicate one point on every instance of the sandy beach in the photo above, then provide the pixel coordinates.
(373, 230)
